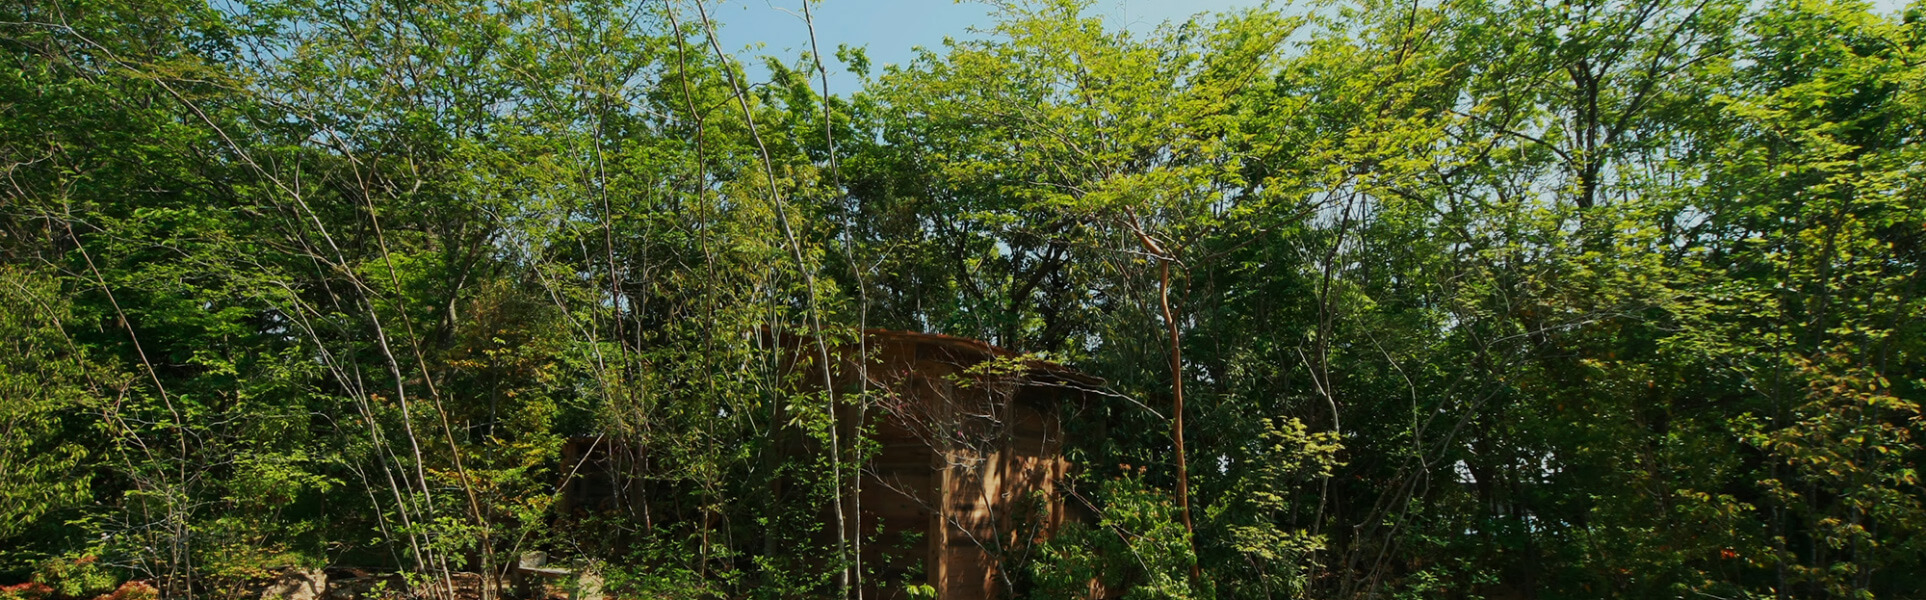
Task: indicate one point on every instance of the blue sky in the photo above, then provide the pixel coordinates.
(891, 28)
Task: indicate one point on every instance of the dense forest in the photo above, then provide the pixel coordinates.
(1454, 298)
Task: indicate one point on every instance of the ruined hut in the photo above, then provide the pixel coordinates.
(967, 471)
(970, 455)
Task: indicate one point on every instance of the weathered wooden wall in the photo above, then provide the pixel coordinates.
(969, 460)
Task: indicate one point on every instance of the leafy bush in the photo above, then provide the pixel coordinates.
(1138, 544)
(25, 591)
(83, 577)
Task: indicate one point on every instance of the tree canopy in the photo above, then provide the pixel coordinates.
(1459, 299)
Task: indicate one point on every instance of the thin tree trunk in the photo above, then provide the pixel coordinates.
(1176, 385)
(1177, 413)
(809, 289)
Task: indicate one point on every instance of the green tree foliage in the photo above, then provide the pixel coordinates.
(45, 393)
(1467, 299)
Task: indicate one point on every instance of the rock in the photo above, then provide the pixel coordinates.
(353, 584)
(533, 560)
(297, 584)
(532, 582)
(588, 585)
